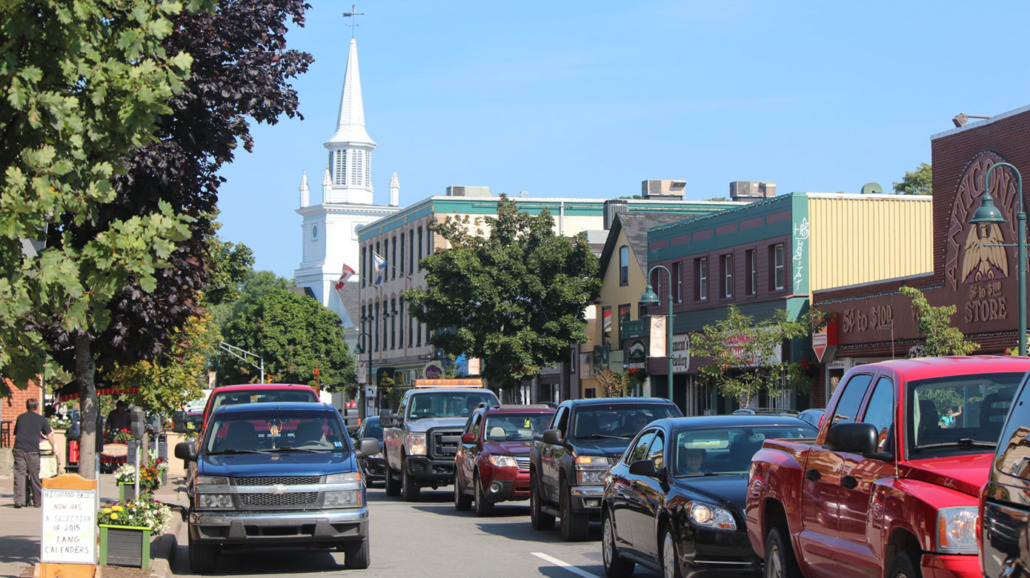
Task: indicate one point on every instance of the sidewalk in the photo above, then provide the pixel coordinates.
(21, 528)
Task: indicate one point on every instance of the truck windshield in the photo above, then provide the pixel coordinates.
(447, 404)
(962, 414)
(619, 420)
(274, 432)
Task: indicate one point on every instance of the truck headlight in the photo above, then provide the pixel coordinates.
(343, 499)
(956, 530)
(591, 470)
(214, 501)
(417, 444)
(343, 478)
(709, 516)
(503, 461)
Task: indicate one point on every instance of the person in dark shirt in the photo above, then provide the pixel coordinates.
(119, 418)
(28, 431)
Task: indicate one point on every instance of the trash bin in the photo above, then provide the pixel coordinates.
(71, 452)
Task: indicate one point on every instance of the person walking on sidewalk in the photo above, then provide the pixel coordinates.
(28, 431)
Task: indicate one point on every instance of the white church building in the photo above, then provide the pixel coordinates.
(329, 237)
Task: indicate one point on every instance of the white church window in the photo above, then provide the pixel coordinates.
(368, 167)
(340, 168)
(356, 169)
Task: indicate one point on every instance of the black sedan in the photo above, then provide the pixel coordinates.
(674, 501)
(373, 467)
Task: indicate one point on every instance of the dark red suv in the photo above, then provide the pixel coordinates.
(492, 462)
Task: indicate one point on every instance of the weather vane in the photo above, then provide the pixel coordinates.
(354, 22)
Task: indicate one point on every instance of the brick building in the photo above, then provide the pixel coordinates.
(974, 267)
(13, 406)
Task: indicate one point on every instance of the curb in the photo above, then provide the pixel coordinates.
(163, 547)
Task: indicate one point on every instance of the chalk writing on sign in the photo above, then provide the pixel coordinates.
(69, 526)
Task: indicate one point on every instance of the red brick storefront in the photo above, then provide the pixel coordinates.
(875, 321)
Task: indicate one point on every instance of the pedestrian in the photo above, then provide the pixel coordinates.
(119, 418)
(28, 431)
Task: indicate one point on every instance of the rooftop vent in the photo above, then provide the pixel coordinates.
(751, 190)
(662, 189)
(466, 191)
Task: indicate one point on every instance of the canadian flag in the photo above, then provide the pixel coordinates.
(347, 272)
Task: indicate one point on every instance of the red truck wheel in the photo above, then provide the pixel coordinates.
(779, 556)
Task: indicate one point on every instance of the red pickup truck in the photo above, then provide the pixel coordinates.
(890, 485)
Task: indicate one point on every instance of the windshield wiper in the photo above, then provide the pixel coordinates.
(233, 451)
(598, 436)
(962, 443)
(294, 449)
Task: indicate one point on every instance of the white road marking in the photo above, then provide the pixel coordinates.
(565, 565)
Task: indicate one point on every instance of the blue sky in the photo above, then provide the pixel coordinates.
(588, 99)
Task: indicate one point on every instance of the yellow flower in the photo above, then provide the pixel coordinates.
(107, 510)
(116, 508)
(114, 515)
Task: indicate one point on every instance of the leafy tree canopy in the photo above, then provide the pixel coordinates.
(294, 335)
(743, 353)
(513, 295)
(917, 182)
(934, 323)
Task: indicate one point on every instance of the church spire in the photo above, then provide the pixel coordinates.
(350, 122)
(350, 148)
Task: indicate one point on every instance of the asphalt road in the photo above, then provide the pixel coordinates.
(429, 539)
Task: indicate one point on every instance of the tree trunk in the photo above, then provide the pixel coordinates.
(85, 370)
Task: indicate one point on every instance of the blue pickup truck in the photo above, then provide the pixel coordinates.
(276, 474)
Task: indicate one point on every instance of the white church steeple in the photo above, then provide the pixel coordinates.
(350, 147)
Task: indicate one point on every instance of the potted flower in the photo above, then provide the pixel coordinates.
(125, 477)
(126, 528)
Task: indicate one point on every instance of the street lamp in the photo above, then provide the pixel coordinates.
(988, 213)
(651, 298)
(363, 409)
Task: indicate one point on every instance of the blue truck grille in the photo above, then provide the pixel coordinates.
(277, 480)
(294, 499)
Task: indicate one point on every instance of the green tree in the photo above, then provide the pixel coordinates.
(179, 374)
(917, 182)
(514, 297)
(743, 354)
(294, 335)
(934, 323)
(84, 83)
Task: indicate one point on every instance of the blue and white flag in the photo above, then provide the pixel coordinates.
(379, 264)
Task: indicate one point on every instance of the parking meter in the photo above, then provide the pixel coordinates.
(138, 425)
(179, 421)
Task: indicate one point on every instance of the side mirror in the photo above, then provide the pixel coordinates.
(854, 438)
(468, 438)
(644, 468)
(367, 447)
(551, 436)
(179, 421)
(186, 451)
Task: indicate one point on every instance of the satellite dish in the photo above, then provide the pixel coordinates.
(872, 189)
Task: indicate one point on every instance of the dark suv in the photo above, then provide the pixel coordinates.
(569, 460)
(492, 462)
(1005, 500)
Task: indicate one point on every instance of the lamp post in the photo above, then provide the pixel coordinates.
(651, 298)
(363, 409)
(988, 213)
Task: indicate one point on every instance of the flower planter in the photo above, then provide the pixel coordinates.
(126, 492)
(124, 546)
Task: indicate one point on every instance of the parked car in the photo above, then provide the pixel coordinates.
(569, 460)
(812, 416)
(1005, 501)
(492, 462)
(888, 487)
(674, 502)
(373, 467)
(272, 475)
